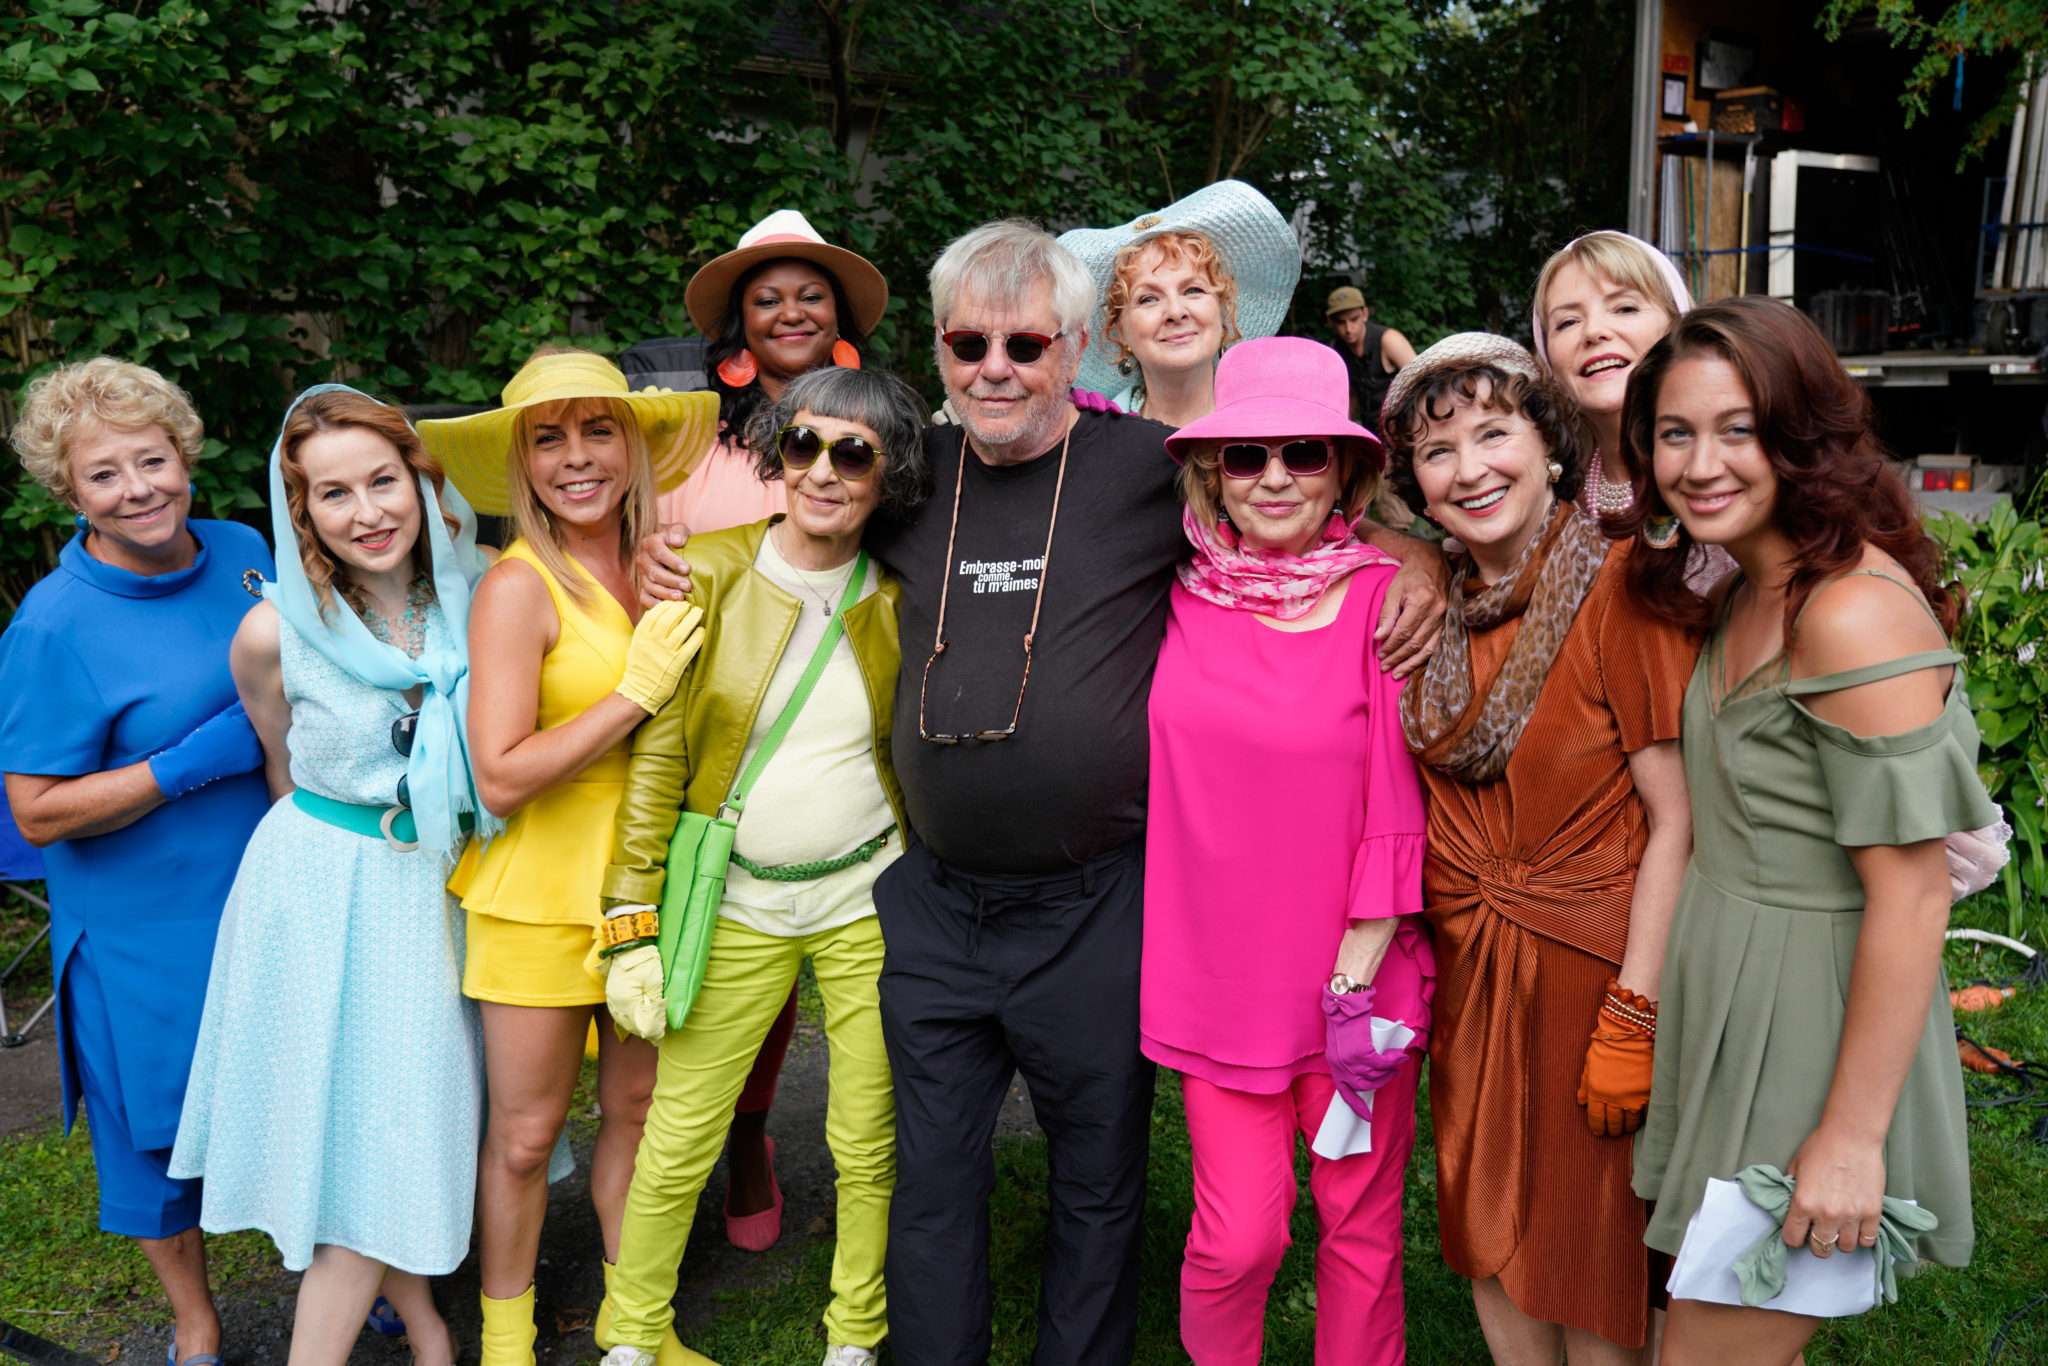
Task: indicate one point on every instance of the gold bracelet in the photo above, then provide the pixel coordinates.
(625, 929)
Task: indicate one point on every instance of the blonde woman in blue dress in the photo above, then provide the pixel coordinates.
(336, 1097)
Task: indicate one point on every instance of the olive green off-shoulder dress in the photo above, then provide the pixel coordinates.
(1756, 978)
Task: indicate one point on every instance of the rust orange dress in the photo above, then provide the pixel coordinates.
(1527, 885)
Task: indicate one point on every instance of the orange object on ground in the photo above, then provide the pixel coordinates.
(1982, 1058)
(1980, 997)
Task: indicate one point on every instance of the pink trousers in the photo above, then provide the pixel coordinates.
(1244, 1195)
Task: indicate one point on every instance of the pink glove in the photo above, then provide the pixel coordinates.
(1975, 858)
(1088, 401)
(1355, 1065)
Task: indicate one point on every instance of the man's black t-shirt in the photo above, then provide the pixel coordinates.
(1070, 784)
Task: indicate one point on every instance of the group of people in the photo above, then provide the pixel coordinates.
(1256, 788)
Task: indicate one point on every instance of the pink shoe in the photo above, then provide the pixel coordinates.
(756, 1232)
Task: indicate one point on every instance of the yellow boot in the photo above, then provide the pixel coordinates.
(508, 1330)
(670, 1353)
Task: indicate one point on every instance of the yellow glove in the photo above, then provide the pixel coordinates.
(666, 640)
(632, 986)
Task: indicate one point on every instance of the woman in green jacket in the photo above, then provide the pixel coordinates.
(784, 599)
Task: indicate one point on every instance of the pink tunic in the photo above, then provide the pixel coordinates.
(723, 491)
(1284, 806)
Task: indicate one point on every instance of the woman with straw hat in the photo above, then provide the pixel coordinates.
(782, 303)
(560, 675)
(1175, 288)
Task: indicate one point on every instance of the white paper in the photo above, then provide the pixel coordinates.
(1727, 1224)
(1344, 1132)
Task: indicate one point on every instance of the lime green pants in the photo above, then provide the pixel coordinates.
(703, 1066)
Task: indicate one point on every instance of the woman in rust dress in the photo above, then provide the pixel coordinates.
(1547, 724)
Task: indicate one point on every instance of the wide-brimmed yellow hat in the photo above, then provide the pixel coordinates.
(475, 450)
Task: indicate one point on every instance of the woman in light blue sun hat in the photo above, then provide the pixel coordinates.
(1176, 288)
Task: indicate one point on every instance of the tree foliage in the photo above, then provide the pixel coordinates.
(254, 195)
(1961, 30)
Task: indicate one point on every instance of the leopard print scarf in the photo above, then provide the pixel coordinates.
(1471, 738)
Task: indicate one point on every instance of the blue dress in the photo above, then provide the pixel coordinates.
(101, 668)
(337, 1092)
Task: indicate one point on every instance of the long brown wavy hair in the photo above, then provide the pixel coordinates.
(334, 411)
(1836, 493)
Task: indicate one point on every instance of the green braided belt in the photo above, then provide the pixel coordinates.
(804, 872)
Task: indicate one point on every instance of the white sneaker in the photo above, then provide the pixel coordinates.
(841, 1354)
(623, 1355)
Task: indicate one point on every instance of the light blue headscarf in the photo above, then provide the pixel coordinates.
(437, 776)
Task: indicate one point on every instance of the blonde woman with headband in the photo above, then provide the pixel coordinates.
(560, 677)
(1601, 302)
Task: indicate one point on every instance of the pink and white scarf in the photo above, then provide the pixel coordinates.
(1272, 583)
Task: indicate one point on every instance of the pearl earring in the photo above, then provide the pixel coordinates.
(1555, 471)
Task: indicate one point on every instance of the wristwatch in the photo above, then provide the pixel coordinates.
(1341, 984)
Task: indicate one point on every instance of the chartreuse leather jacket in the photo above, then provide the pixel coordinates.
(687, 755)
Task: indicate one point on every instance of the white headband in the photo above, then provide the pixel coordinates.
(1667, 271)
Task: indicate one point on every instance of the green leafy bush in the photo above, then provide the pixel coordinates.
(2002, 564)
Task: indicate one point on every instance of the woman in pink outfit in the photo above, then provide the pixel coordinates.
(1286, 974)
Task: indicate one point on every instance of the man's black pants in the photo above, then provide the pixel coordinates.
(985, 976)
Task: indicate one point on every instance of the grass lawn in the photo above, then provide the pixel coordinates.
(60, 1278)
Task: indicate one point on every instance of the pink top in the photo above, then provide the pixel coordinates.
(1284, 805)
(723, 491)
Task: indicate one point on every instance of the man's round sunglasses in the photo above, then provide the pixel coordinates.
(853, 457)
(1248, 459)
(1023, 348)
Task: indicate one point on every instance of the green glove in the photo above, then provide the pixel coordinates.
(666, 640)
(632, 986)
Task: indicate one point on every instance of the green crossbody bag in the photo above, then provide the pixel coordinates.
(701, 848)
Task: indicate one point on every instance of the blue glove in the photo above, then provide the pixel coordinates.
(219, 747)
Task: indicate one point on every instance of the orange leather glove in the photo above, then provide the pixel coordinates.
(1615, 1085)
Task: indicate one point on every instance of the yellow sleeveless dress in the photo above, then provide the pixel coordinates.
(531, 894)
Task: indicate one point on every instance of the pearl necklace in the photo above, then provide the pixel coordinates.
(1602, 498)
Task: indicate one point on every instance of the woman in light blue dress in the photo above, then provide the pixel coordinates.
(336, 1097)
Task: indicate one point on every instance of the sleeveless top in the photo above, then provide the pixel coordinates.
(547, 865)
(1370, 377)
(1763, 942)
(340, 735)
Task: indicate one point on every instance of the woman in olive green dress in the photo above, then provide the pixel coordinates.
(1829, 749)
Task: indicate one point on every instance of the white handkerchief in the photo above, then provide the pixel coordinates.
(1727, 1225)
(1343, 1132)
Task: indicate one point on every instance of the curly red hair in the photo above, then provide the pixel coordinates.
(1836, 493)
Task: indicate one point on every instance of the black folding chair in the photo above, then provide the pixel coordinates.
(20, 864)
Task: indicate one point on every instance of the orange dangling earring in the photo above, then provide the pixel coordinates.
(844, 355)
(739, 370)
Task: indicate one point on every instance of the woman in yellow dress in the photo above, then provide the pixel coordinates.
(559, 678)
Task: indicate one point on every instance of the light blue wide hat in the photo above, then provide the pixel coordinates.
(1249, 234)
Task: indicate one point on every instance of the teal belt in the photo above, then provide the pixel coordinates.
(392, 824)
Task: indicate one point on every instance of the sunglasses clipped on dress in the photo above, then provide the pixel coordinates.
(1023, 348)
(1248, 459)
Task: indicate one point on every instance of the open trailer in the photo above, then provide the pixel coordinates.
(1768, 159)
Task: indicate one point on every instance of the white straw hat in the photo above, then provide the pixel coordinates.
(1248, 233)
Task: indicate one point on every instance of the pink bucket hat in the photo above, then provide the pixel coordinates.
(1278, 386)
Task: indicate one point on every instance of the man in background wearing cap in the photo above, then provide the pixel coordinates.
(1373, 352)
